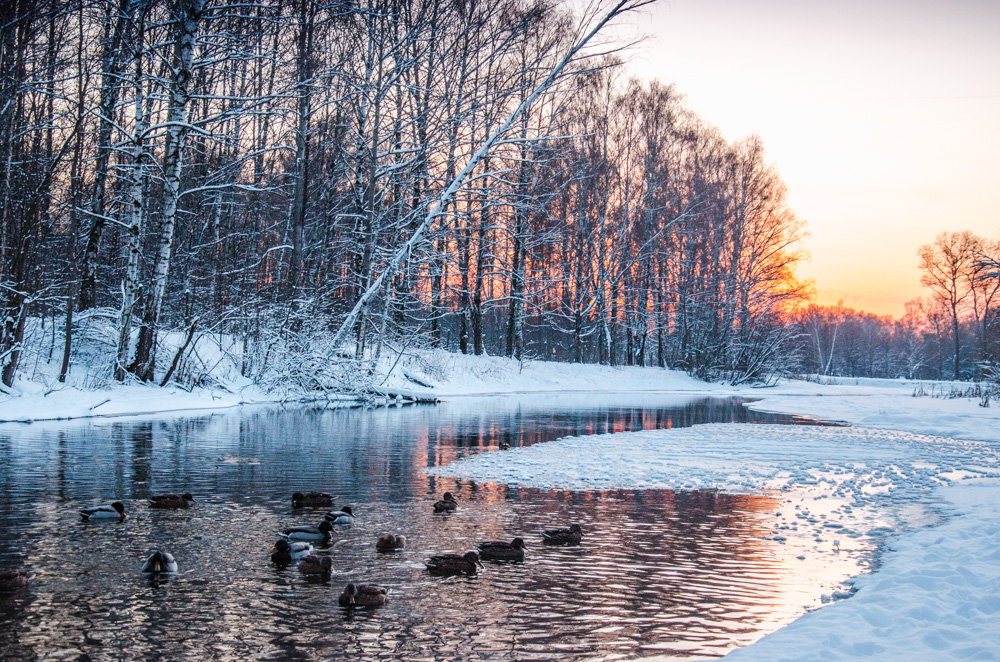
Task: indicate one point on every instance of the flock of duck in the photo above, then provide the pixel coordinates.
(295, 546)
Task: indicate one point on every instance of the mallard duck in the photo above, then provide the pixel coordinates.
(388, 542)
(363, 595)
(175, 501)
(312, 499)
(447, 504)
(284, 552)
(570, 536)
(15, 578)
(317, 566)
(115, 511)
(343, 516)
(502, 551)
(454, 564)
(160, 562)
(323, 531)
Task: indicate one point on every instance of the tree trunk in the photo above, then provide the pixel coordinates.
(189, 12)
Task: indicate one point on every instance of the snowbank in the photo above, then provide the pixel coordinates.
(852, 462)
(884, 403)
(935, 597)
(450, 375)
(31, 401)
(213, 370)
(210, 368)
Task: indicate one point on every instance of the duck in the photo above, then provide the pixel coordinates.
(114, 511)
(447, 504)
(454, 564)
(343, 516)
(284, 552)
(316, 566)
(173, 501)
(312, 499)
(323, 531)
(13, 579)
(502, 551)
(160, 562)
(570, 536)
(363, 595)
(388, 542)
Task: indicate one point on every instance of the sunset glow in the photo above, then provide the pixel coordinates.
(880, 116)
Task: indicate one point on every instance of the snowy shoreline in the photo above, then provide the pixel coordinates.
(431, 374)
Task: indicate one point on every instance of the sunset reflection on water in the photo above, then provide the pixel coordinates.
(658, 571)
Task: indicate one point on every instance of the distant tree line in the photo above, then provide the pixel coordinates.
(254, 170)
(953, 333)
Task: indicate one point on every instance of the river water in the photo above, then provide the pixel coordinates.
(685, 573)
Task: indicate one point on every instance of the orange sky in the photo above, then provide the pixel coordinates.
(883, 118)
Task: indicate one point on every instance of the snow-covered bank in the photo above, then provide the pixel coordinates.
(448, 374)
(851, 462)
(935, 597)
(30, 401)
(210, 372)
(884, 403)
(216, 363)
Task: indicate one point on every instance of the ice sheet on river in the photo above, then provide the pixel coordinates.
(852, 462)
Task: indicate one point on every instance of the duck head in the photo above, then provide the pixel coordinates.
(576, 528)
(187, 496)
(473, 558)
(351, 591)
(280, 546)
(517, 543)
(347, 509)
(325, 526)
(119, 507)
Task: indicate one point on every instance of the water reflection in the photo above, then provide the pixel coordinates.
(658, 571)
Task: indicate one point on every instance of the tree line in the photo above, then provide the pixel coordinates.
(952, 333)
(279, 172)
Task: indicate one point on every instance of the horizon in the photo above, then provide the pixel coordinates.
(881, 119)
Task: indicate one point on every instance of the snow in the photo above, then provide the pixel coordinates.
(852, 462)
(89, 391)
(30, 401)
(885, 403)
(935, 597)
(451, 375)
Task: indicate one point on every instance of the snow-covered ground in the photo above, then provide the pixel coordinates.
(935, 597)
(89, 389)
(450, 375)
(885, 403)
(213, 370)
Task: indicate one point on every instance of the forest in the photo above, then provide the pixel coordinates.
(952, 333)
(324, 184)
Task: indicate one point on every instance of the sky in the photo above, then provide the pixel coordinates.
(882, 117)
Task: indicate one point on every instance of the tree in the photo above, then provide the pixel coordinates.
(946, 264)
